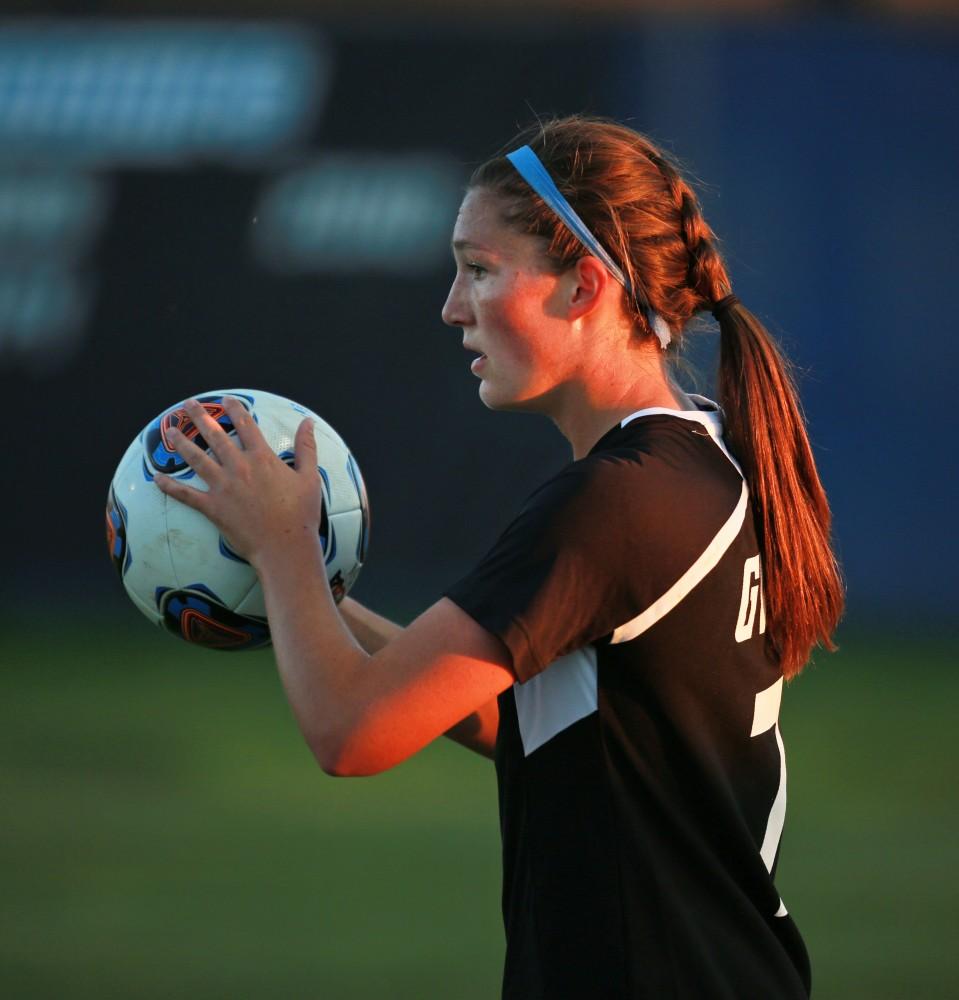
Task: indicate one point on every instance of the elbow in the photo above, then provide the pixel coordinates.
(328, 753)
(338, 767)
(330, 763)
(329, 737)
(341, 757)
(335, 769)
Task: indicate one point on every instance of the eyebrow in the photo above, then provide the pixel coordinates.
(467, 245)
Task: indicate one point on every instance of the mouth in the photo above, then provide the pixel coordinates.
(478, 361)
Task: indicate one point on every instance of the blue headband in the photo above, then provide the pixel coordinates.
(529, 166)
(531, 169)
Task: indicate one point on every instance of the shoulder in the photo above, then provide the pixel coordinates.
(600, 541)
(654, 471)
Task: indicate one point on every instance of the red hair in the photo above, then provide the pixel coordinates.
(636, 202)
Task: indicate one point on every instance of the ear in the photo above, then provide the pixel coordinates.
(588, 280)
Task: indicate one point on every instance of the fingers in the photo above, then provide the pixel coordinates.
(304, 448)
(212, 433)
(247, 430)
(227, 461)
(206, 467)
(189, 495)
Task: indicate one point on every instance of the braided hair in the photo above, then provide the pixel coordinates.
(635, 200)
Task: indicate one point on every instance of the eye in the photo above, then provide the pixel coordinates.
(477, 270)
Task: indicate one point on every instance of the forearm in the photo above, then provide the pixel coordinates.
(318, 658)
(322, 661)
(477, 731)
(372, 631)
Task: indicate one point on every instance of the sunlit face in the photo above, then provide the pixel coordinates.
(506, 299)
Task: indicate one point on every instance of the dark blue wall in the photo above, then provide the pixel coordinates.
(830, 155)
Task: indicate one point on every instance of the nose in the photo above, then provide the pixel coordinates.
(455, 310)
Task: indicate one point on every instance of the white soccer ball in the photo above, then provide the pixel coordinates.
(174, 563)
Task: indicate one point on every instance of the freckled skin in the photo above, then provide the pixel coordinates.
(506, 300)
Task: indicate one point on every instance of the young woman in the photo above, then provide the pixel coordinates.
(621, 649)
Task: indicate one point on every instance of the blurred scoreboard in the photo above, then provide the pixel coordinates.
(79, 100)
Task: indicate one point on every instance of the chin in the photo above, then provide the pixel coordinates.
(491, 398)
(499, 398)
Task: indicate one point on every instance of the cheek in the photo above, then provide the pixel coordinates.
(512, 324)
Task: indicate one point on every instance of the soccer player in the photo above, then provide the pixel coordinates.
(621, 649)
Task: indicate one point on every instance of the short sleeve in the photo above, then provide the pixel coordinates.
(558, 578)
(602, 542)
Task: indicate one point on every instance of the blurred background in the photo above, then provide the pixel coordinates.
(199, 196)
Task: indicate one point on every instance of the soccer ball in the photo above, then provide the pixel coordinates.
(174, 563)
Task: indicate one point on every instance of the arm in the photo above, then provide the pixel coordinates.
(477, 731)
(371, 631)
(359, 713)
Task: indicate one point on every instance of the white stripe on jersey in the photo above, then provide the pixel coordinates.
(554, 699)
(766, 709)
(766, 717)
(777, 820)
(694, 575)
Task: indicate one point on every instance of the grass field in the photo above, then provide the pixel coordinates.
(165, 834)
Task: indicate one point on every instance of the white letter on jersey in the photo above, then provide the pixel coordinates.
(752, 598)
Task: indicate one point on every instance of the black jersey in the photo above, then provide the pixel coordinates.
(641, 771)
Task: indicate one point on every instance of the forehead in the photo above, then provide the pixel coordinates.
(480, 226)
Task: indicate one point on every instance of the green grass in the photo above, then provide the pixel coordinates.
(165, 833)
(870, 861)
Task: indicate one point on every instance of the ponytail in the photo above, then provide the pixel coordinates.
(766, 431)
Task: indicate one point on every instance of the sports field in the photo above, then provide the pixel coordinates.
(165, 833)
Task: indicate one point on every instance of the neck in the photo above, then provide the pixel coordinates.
(585, 412)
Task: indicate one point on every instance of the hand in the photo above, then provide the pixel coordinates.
(256, 500)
